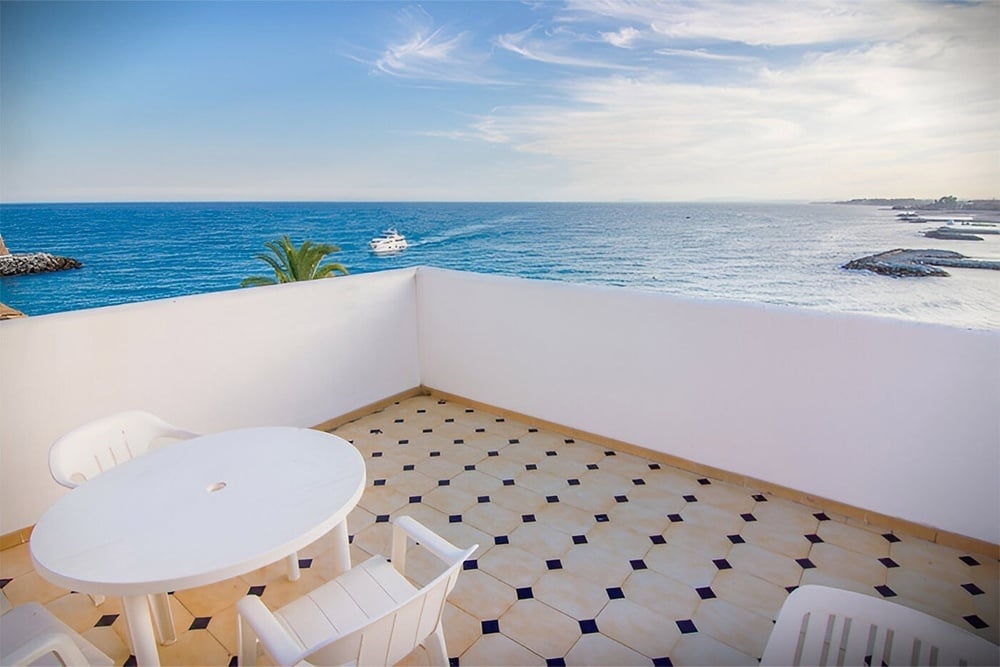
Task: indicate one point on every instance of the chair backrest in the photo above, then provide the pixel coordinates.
(389, 638)
(96, 446)
(818, 625)
(30, 635)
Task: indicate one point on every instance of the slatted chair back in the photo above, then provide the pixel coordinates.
(818, 625)
(104, 443)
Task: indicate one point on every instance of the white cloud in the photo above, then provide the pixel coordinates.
(432, 53)
(551, 49)
(623, 38)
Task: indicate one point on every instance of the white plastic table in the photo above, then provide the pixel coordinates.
(198, 512)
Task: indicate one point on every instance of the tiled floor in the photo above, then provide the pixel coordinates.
(587, 556)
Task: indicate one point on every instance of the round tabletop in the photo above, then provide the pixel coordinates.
(199, 511)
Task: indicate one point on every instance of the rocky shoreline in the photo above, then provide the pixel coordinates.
(36, 262)
(901, 263)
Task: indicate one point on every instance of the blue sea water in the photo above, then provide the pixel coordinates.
(788, 254)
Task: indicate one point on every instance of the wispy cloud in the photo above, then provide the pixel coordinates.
(911, 106)
(552, 48)
(432, 53)
(622, 38)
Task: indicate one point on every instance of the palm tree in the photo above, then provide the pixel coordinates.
(290, 263)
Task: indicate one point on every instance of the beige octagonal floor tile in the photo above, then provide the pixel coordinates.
(492, 518)
(639, 628)
(697, 650)
(750, 592)
(575, 596)
(776, 568)
(662, 595)
(540, 539)
(599, 650)
(498, 649)
(689, 567)
(847, 564)
(595, 564)
(853, 538)
(734, 626)
(482, 595)
(542, 629)
(517, 567)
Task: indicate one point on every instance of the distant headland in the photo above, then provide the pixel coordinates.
(947, 203)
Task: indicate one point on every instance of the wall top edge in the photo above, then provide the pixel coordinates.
(719, 304)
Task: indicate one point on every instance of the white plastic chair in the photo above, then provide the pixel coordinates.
(96, 446)
(818, 625)
(370, 615)
(99, 445)
(31, 635)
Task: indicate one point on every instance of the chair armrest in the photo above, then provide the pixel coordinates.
(50, 642)
(284, 648)
(405, 526)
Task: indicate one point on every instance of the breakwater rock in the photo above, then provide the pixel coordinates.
(901, 263)
(946, 234)
(35, 262)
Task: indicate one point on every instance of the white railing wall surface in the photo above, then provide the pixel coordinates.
(895, 417)
(898, 418)
(296, 354)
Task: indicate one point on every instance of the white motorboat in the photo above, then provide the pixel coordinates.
(389, 241)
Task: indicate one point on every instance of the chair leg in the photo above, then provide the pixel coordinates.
(437, 653)
(246, 640)
(293, 566)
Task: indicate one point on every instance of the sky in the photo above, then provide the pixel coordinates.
(604, 100)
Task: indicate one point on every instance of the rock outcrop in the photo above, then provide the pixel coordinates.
(901, 263)
(36, 262)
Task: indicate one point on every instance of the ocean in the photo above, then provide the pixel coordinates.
(786, 254)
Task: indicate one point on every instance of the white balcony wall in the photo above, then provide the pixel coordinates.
(895, 417)
(295, 354)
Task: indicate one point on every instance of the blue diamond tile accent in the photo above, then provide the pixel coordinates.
(471, 564)
(972, 589)
(805, 563)
(573, 482)
(501, 539)
(256, 590)
(530, 466)
(455, 518)
(409, 466)
(508, 482)
(704, 481)
(654, 466)
(106, 620)
(748, 517)
(889, 537)
(662, 662)
(528, 518)
(615, 593)
(601, 518)
(814, 538)
(415, 499)
(525, 593)
(969, 560)
(554, 564)
(686, 626)
(305, 563)
(888, 562)
(593, 466)
(621, 499)
(200, 623)
(885, 591)
(736, 539)
(975, 622)
(675, 518)
(382, 518)
(638, 564)
(579, 539)
(657, 539)
(378, 482)
(555, 662)
(551, 499)
(491, 627)
(589, 626)
(722, 564)
(705, 592)
(483, 499)
(821, 516)
(639, 481)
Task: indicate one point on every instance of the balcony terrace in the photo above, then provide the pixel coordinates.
(646, 477)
